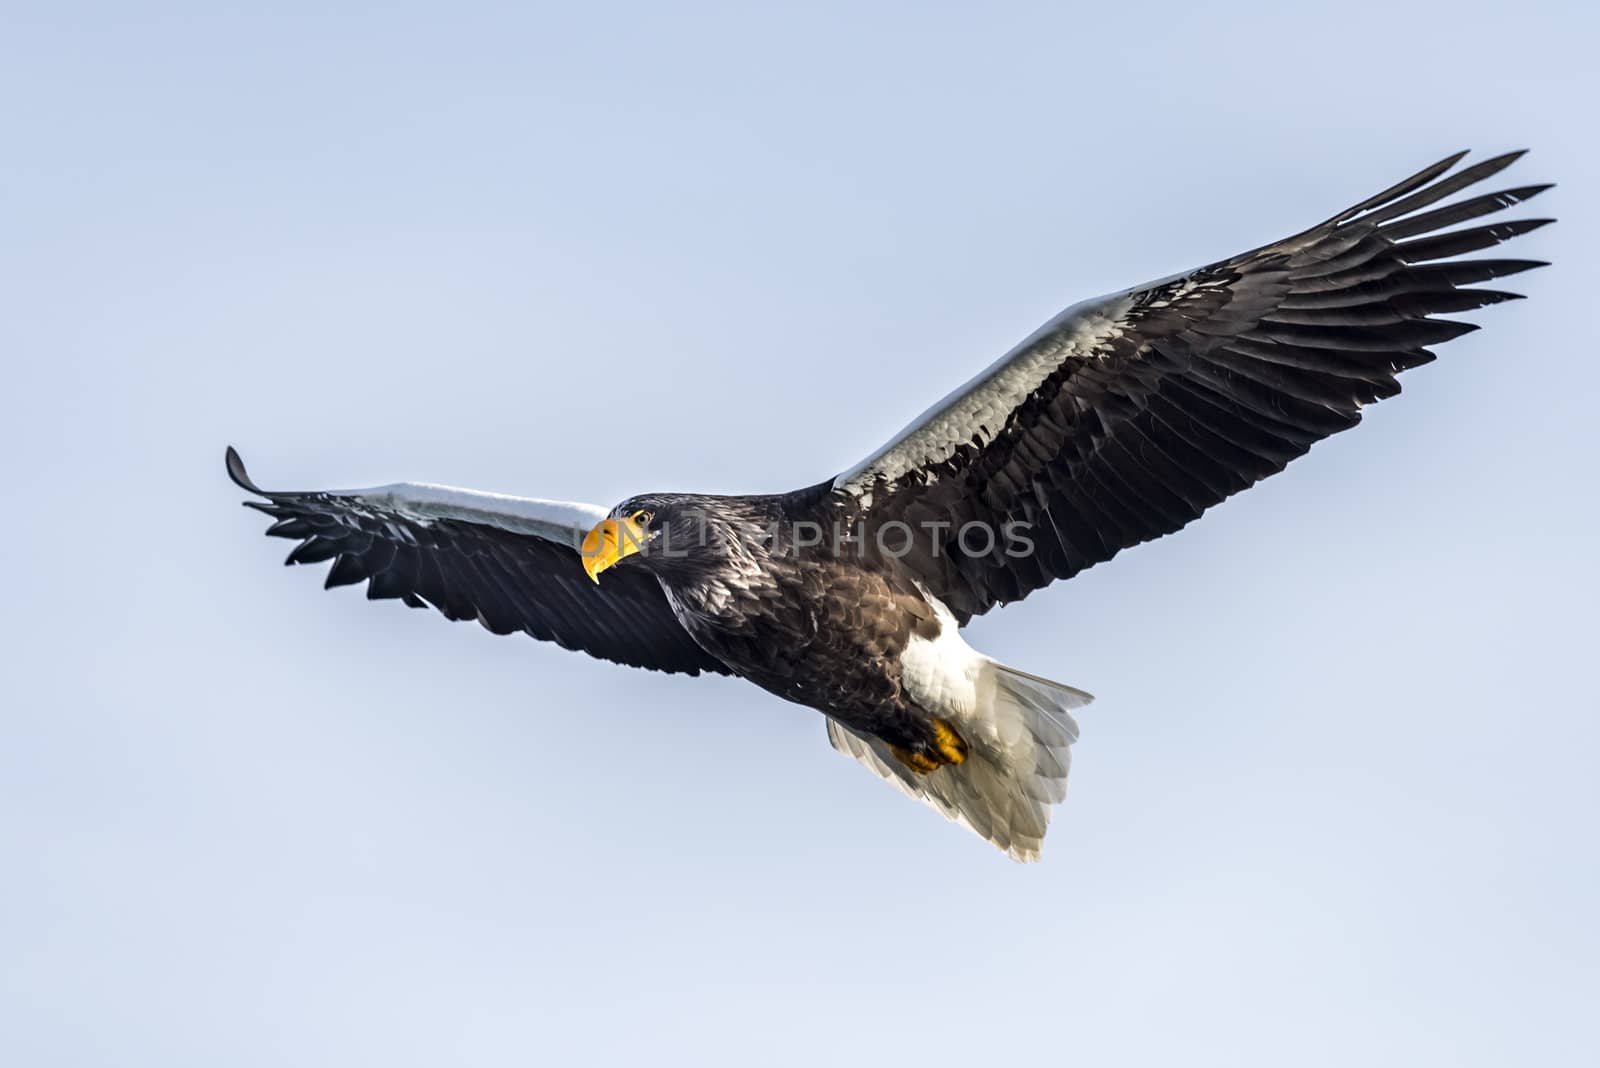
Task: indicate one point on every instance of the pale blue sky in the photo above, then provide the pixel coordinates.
(1335, 805)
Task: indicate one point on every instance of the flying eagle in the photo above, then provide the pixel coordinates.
(1118, 421)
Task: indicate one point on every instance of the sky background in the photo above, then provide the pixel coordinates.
(1335, 805)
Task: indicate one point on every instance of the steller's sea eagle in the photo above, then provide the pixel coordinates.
(1118, 421)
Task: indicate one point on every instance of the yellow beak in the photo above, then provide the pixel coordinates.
(610, 542)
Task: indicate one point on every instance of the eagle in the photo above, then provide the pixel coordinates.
(1118, 421)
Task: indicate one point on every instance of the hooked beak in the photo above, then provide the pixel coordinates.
(609, 543)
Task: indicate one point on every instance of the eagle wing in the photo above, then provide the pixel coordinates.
(1126, 417)
(511, 563)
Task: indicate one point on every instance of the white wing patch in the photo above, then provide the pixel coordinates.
(562, 522)
(979, 409)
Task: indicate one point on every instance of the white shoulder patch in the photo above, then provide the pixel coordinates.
(979, 409)
(563, 522)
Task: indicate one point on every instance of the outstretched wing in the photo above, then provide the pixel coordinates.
(1124, 418)
(511, 563)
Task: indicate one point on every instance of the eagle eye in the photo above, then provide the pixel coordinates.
(643, 517)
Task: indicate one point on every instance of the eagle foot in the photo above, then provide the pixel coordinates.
(951, 745)
(947, 746)
(921, 763)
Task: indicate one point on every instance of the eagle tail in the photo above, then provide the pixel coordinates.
(1019, 740)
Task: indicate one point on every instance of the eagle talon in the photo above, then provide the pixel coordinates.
(950, 748)
(951, 745)
(921, 763)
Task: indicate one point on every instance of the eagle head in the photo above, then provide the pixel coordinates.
(662, 531)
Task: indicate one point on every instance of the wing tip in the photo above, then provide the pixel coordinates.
(1493, 164)
(241, 477)
(1438, 177)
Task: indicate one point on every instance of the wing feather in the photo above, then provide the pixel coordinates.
(509, 563)
(1124, 418)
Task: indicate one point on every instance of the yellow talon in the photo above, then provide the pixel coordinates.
(951, 744)
(918, 762)
(952, 747)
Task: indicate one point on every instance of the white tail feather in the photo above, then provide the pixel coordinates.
(1019, 739)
